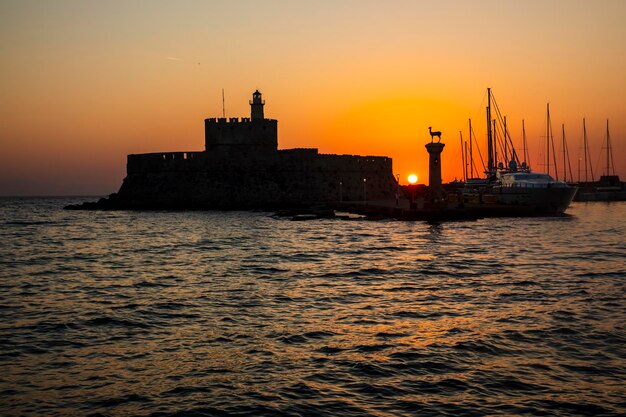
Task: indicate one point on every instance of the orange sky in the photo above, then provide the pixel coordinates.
(85, 83)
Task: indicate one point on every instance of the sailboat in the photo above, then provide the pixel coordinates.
(609, 187)
(509, 182)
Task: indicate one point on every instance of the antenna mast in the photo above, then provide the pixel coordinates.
(223, 105)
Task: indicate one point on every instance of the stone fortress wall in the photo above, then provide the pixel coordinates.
(244, 135)
(242, 166)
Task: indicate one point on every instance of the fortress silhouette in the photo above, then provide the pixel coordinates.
(242, 168)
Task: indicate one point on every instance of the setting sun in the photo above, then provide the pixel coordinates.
(412, 179)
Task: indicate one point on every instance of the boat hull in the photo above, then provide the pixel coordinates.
(608, 195)
(550, 200)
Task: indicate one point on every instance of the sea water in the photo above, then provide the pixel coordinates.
(240, 313)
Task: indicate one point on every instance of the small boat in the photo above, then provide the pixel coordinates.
(609, 187)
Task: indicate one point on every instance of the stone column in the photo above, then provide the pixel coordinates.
(434, 171)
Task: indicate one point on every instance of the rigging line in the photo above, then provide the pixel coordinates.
(463, 157)
(556, 170)
(610, 163)
(581, 149)
(598, 160)
(588, 153)
(477, 114)
(585, 148)
(548, 138)
(513, 150)
(612, 160)
(507, 139)
(499, 141)
(481, 108)
(480, 154)
(563, 152)
(566, 158)
(495, 146)
(608, 136)
(569, 163)
(466, 164)
(525, 145)
(550, 143)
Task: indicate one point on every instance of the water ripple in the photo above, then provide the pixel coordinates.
(219, 314)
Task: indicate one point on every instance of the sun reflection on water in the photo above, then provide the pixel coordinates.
(180, 311)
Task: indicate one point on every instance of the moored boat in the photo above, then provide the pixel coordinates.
(609, 187)
(514, 184)
(538, 191)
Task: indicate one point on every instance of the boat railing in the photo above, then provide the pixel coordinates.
(533, 185)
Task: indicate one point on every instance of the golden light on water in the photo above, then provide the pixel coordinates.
(412, 179)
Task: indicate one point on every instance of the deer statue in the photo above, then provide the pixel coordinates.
(433, 134)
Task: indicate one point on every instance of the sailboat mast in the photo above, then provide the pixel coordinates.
(585, 148)
(569, 161)
(470, 150)
(463, 158)
(548, 137)
(506, 154)
(564, 152)
(608, 135)
(466, 162)
(495, 144)
(525, 148)
(556, 170)
(609, 152)
(489, 135)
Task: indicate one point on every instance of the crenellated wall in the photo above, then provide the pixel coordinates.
(337, 177)
(287, 177)
(164, 161)
(240, 135)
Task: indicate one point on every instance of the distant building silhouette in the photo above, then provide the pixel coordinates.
(242, 167)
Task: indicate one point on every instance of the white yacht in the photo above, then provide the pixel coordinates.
(538, 191)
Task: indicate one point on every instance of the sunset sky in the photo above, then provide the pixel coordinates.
(84, 83)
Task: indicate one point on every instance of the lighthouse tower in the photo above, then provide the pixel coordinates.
(256, 106)
(242, 137)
